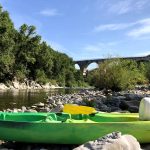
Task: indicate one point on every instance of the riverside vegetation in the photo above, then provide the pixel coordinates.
(119, 74)
(24, 56)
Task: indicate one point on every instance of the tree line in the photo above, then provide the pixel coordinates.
(23, 55)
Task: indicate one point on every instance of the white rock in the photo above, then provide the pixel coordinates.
(46, 86)
(126, 142)
(3, 86)
(113, 141)
(16, 84)
(144, 109)
(40, 104)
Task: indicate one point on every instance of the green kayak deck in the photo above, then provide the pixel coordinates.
(63, 128)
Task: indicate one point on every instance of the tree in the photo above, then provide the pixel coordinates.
(26, 50)
(6, 46)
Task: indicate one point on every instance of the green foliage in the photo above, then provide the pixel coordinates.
(6, 46)
(117, 74)
(24, 56)
(147, 71)
(20, 73)
(41, 77)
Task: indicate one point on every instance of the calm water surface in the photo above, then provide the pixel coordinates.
(18, 98)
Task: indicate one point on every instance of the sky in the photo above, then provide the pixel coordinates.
(87, 29)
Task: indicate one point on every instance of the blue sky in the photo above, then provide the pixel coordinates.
(86, 29)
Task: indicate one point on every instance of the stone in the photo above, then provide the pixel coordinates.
(23, 108)
(3, 86)
(144, 109)
(133, 96)
(33, 106)
(46, 109)
(46, 86)
(58, 108)
(113, 141)
(115, 109)
(16, 84)
(105, 108)
(50, 100)
(40, 104)
(126, 142)
(9, 110)
(126, 105)
(15, 110)
(133, 109)
(31, 110)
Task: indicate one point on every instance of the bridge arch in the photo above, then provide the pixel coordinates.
(92, 66)
(77, 67)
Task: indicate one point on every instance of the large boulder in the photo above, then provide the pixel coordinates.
(113, 141)
(144, 109)
(132, 106)
(131, 96)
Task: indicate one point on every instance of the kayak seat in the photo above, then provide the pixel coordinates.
(51, 117)
(63, 116)
(2, 116)
(79, 116)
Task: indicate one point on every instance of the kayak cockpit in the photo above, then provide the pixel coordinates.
(68, 118)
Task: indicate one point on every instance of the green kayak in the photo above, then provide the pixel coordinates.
(63, 128)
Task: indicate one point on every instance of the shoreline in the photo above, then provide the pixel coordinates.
(127, 101)
(15, 85)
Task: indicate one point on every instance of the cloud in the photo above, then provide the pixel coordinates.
(138, 32)
(99, 47)
(112, 27)
(92, 48)
(126, 6)
(143, 30)
(50, 12)
(139, 28)
(121, 7)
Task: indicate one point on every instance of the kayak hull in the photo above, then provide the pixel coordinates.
(72, 131)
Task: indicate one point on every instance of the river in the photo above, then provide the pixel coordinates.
(18, 98)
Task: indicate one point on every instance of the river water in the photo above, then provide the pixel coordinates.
(18, 98)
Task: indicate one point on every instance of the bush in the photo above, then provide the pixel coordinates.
(41, 77)
(147, 72)
(118, 74)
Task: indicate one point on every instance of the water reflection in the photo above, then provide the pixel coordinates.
(18, 98)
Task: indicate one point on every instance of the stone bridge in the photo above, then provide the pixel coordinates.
(83, 64)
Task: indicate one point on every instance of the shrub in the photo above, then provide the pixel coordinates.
(118, 74)
(147, 72)
(41, 77)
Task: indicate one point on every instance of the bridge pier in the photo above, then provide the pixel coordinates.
(83, 69)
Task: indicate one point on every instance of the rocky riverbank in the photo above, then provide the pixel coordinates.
(27, 84)
(107, 101)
